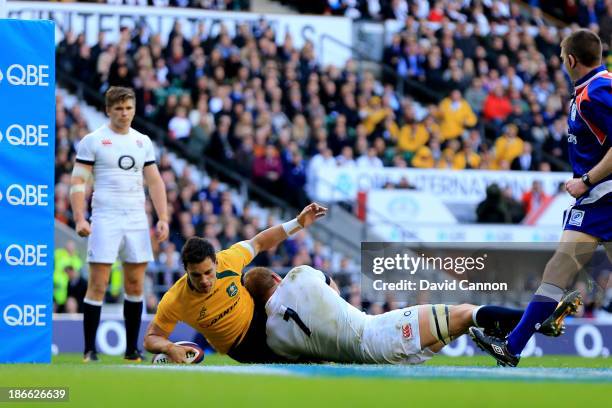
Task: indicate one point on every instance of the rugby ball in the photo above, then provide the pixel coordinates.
(192, 358)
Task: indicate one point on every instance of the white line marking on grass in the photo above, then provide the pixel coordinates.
(413, 372)
(244, 369)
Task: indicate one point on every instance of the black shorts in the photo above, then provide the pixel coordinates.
(253, 347)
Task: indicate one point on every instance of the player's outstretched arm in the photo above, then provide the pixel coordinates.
(156, 341)
(275, 235)
(81, 174)
(157, 191)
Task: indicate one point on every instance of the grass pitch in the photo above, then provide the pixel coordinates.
(444, 381)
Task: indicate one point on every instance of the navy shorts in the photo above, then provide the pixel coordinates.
(591, 217)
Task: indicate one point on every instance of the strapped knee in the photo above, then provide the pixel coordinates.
(439, 318)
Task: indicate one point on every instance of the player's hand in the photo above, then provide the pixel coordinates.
(83, 228)
(161, 230)
(310, 214)
(178, 354)
(576, 187)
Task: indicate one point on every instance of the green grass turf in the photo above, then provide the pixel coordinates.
(109, 385)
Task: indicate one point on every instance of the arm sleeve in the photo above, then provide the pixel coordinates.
(165, 318)
(85, 151)
(150, 154)
(236, 257)
(596, 110)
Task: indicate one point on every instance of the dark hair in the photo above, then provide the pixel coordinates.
(196, 250)
(258, 282)
(585, 46)
(118, 94)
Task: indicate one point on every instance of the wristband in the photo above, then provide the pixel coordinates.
(291, 227)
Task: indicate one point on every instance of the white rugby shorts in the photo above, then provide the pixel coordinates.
(394, 338)
(123, 234)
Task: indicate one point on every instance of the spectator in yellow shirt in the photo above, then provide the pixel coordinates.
(455, 115)
(448, 155)
(467, 158)
(508, 146)
(375, 113)
(423, 158)
(412, 135)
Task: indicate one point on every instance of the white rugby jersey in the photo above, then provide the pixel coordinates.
(118, 162)
(307, 318)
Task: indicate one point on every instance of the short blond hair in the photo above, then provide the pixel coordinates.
(258, 281)
(118, 94)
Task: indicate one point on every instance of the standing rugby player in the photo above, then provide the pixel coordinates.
(589, 221)
(119, 159)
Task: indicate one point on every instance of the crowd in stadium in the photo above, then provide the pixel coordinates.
(230, 5)
(270, 111)
(583, 12)
(267, 108)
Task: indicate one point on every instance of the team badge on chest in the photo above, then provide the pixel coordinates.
(232, 290)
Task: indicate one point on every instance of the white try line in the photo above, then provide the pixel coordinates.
(238, 369)
(386, 371)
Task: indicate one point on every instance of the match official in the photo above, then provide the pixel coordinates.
(118, 158)
(589, 221)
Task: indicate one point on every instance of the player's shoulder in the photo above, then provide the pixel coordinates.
(600, 89)
(305, 272)
(239, 249)
(91, 141)
(172, 295)
(100, 133)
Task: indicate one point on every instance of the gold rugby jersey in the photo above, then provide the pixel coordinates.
(222, 316)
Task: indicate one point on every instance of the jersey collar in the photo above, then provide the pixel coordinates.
(585, 80)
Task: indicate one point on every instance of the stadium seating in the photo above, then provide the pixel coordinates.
(234, 5)
(191, 85)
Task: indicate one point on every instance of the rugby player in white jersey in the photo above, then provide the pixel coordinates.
(119, 159)
(309, 321)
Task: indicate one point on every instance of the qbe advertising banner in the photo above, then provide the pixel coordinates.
(27, 144)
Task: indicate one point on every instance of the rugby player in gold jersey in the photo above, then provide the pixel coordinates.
(211, 298)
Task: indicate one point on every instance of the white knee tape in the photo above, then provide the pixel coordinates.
(439, 317)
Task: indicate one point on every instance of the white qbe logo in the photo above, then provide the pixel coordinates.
(26, 255)
(26, 75)
(26, 315)
(27, 195)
